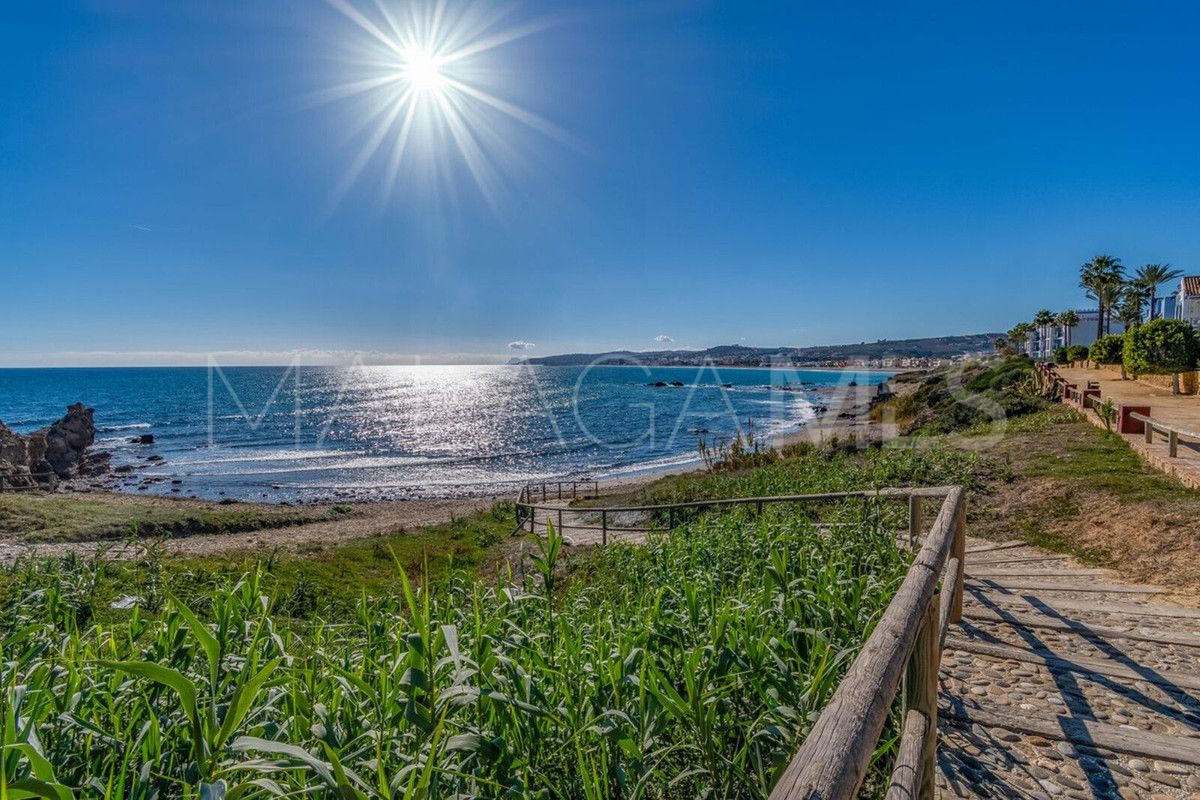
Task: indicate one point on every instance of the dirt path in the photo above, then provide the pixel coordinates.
(1067, 682)
(364, 520)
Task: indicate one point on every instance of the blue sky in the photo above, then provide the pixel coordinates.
(791, 173)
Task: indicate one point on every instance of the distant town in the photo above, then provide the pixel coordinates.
(881, 354)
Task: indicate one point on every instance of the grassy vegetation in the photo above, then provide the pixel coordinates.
(304, 584)
(66, 518)
(1061, 483)
(979, 393)
(686, 668)
(811, 470)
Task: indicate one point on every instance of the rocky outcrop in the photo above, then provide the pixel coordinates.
(49, 455)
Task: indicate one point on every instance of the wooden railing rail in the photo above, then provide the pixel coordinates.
(1172, 432)
(907, 643)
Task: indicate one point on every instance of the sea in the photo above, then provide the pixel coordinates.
(318, 434)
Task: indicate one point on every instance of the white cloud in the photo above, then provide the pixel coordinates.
(663, 338)
(519, 345)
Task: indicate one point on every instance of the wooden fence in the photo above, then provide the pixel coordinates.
(905, 646)
(1172, 432)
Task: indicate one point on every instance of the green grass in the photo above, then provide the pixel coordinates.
(313, 580)
(814, 471)
(64, 518)
(690, 667)
(1106, 462)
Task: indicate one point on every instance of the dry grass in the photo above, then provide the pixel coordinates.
(1070, 487)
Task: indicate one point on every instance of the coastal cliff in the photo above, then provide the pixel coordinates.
(55, 453)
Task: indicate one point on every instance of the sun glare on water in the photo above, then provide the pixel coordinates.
(425, 88)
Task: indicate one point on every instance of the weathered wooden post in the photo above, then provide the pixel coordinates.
(1173, 443)
(604, 526)
(915, 523)
(1149, 433)
(671, 518)
(574, 489)
(920, 715)
(959, 552)
(560, 522)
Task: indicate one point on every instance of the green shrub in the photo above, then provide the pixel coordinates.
(691, 667)
(1061, 355)
(1161, 347)
(1010, 378)
(1107, 350)
(1077, 352)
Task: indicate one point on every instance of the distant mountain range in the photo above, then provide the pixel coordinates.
(937, 347)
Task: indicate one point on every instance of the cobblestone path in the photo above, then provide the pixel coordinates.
(1062, 681)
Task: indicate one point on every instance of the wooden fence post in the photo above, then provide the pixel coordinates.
(960, 552)
(671, 518)
(560, 522)
(1173, 443)
(604, 527)
(1149, 434)
(914, 518)
(920, 696)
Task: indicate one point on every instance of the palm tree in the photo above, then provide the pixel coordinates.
(1067, 320)
(1000, 344)
(1129, 312)
(1019, 335)
(1151, 276)
(1042, 320)
(1133, 299)
(1102, 277)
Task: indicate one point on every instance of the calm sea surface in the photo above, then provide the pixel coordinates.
(315, 433)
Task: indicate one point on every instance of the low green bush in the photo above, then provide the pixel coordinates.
(1161, 347)
(1107, 349)
(1077, 352)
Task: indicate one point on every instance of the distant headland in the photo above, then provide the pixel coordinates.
(882, 353)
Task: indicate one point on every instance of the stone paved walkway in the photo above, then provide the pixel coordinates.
(1061, 681)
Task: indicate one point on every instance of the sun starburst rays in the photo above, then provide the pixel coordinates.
(425, 88)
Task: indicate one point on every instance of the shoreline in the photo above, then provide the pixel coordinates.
(374, 517)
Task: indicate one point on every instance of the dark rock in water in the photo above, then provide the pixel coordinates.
(176, 481)
(67, 439)
(726, 385)
(659, 384)
(677, 383)
(145, 438)
(155, 457)
(124, 469)
(49, 455)
(852, 383)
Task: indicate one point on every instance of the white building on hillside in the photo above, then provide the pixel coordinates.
(1044, 341)
(1187, 300)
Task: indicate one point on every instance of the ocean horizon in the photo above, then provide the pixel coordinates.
(319, 434)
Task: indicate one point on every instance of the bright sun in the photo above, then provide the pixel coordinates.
(425, 73)
(422, 70)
